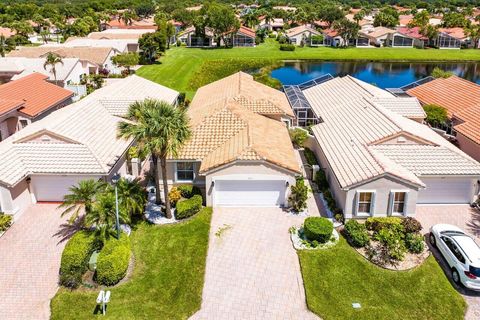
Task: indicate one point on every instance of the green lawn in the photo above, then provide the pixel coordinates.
(335, 278)
(185, 69)
(167, 280)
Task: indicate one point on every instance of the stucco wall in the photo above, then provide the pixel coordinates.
(468, 146)
(15, 200)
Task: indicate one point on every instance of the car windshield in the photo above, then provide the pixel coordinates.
(475, 271)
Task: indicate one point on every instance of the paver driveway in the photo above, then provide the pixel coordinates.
(30, 258)
(252, 269)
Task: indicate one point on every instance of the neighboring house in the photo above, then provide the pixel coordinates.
(119, 34)
(114, 24)
(377, 36)
(302, 35)
(378, 162)
(7, 32)
(100, 58)
(244, 37)
(406, 37)
(192, 39)
(332, 38)
(451, 38)
(240, 152)
(121, 45)
(365, 23)
(29, 99)
(273, 25)
(77, 142)
(405, 19)
(461, 98)
(68, 72)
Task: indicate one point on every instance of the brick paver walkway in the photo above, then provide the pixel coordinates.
(252, 269)
(29, 261)
(467, 219)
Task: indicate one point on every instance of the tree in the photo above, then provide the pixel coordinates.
(421, 20)
(439, 73)
(436, 115)
(103, 216)
(474, 33)
(52, 60)
(159, 129)
(22, 28)
(81, 197)
(127, 16)
(455, 19)
(298, 195)
(387, 17)
(330, 13)
(358, 16)
(126, 60)
(131, 196)
(152, 45)
(221, 19)
(346, 29)
(250, 20)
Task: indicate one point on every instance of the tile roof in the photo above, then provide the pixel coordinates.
(246, 31)
(411, 32)
(408, 107)
(227, 127)
(357, 130)
(457, 32)
(118, 34)
(9, 105)
(377, 32)
(7, 32)
(34, 93)
(25, 66)
(118, 44)
(96, 55)
(405, 19)
(82, 137)
(460, 97)
(300, 29)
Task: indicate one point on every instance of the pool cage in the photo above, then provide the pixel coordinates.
(304, 113)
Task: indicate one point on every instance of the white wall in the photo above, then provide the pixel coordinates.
(15, 200)
(109, 64)
(76, 73)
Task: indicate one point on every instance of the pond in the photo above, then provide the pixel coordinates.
(382, 74)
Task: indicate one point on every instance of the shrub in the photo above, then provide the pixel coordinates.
(75, 258)
(377, 223)
(436, 115)
(298, 136)
(391, 239)
(327, 195)
(440, 73)
(310, 156)
(356, 233)
(174, 195)
(318, 228)
(298, 195)
(188, 190)
(5, 221)
(112, 262)
(411, 225)
(189, 207)
(287, 47)
(321, 180)
(414, 243)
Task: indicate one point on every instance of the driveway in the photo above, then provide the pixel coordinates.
(252, 269)
(467, 219)
(29, 263)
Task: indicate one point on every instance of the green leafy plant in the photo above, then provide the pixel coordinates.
(318, 229)
(298, 136)
(113, 260)
(188, 190)
(287, 47)
(189, 207)
(436, 115)
(321, 180)
(414, 242)
(5, 221)
(174, 195)
(357, 234)
(222, 230)
(439, 73)
(392, 241)
(310, 156)
(298, 195)
(377, 223)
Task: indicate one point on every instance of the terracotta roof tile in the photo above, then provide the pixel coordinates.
(9, 105)
(96, 55)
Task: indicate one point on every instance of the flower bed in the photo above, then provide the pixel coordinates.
(6, 222)
(316, 233)
(300, 242)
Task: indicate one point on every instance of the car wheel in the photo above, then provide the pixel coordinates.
(432, 240)
(455, 276)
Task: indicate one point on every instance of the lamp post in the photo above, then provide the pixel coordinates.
(115, 179)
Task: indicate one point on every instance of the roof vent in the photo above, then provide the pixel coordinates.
(401, 139)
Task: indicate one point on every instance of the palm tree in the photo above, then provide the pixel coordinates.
(131, 196)
(81, 197)
(3, 45)
(160, 129)
(103, 216)
(128, 17)
(250, 20)
(51, 60)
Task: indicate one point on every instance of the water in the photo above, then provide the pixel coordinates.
(382, 74)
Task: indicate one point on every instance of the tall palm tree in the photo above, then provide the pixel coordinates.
(52, 60)
(103, 216)
(3, 45)
(160, 129)
(81, 196)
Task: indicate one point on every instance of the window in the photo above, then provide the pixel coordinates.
(23, 123)
(399, 202)
(365, 202)
(454, 249)
(399, 41)
(185, 171)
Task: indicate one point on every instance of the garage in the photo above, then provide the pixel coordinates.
(53, 188)
(446, 190)
(249, 193)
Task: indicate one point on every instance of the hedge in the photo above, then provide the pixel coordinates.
(189, 207)
(318, 229)
(287, 47)
(75, 258)
(5, 222)
(310, 156)
(356, 233)
(378, 223)
(189, 191)
(112, 262)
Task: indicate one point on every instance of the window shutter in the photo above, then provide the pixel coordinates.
(390, 203)
(355, 201)
(405, 206)
(372, 206)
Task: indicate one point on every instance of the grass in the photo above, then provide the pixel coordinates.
(186, 69)
(167, 280)
(337, 277)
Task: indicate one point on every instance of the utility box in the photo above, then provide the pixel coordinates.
(92, 263)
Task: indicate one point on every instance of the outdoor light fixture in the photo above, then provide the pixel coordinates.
(213, 183)
(287, 184)
(115, 179)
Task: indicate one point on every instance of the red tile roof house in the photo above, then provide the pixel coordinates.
(29, 99)
(451, 38)
(406, 37)
(461, 98)
(77, 142)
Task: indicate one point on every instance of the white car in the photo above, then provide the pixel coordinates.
(461, 253)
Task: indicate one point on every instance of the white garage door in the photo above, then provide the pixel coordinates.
(249, 193)
(446, 190)
(53, 188)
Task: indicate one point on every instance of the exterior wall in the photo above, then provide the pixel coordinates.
(171, 165)
(15, 200)
(108, 64)
(297, 39)
(468, 146)
(120, 167)
(76, 73)
(250, 170)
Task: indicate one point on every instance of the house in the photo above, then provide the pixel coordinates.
(406, 37)
(192, 38)
(377, 36)
(121, 45)
(377, 161)
(244, 37)
(405, 20)
(365, 23)
(29, 99)
(96, 58)
(302, 35)
(114, 24)
(119, 34)
(451, 38)
(273, 25)
(332, 38)
(461, 98)
(240, 152)
(80, 141)
(69, 72)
